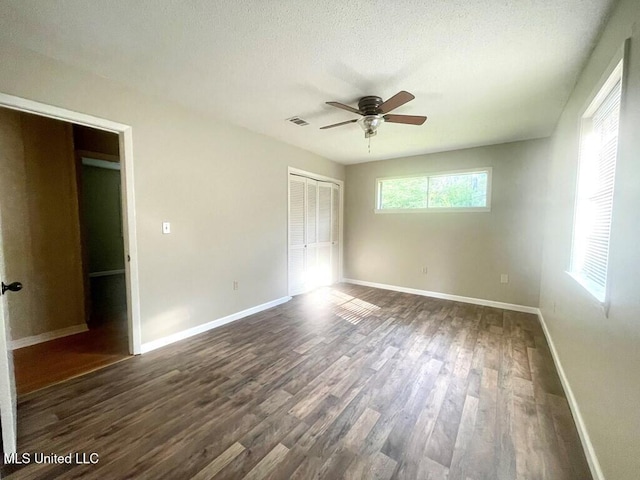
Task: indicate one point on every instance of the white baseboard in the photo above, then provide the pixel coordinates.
(589, 451)
(446, 296)
(45, 337)
(190, 332)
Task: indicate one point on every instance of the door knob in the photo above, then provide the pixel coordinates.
(14, 287)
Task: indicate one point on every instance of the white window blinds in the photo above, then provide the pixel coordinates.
(594, 205)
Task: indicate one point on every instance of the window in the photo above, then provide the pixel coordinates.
(594, 195)
(465, 190)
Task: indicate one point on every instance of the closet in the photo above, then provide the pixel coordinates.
(314, 233)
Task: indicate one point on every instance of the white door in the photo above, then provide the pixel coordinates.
(8, 404)
(314, 222)
(311, 272)
(335, 233)
(323, 269)
(297, 234)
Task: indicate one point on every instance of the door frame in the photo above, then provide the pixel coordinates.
(321, 178)
(128, 196)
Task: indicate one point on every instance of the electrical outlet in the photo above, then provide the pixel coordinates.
(235, 285)
(504, 278)
(424, 270)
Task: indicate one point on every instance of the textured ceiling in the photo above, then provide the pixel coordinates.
(483, 71)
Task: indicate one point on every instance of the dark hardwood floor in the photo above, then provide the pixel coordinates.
(345, 382)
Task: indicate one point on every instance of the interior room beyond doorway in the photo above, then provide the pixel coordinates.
(61, 209)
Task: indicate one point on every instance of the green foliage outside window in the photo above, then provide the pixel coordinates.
(404, 193)
(462, 190)
(458, 191)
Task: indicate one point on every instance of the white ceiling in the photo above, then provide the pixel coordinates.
(483, 71)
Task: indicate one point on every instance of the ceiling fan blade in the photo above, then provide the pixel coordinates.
(338, 124)
(396, 101)
(344, 107)
(408, 119)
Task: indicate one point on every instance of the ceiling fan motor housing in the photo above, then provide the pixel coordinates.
(369, 105)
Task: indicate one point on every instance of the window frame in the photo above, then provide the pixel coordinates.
(487, 208)
(614, 74)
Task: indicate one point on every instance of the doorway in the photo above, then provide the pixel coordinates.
(16, 243)
(64, 243)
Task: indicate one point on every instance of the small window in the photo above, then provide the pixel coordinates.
(467, 190)
(594, 193)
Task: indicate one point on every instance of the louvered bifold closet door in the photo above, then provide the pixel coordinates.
(311, 273)
(324, 271)
(297, 234)
(335, 233)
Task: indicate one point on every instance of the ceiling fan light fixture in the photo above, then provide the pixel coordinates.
(374, 111)
(370, 124)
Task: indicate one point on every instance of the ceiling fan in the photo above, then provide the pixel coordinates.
(374, 111)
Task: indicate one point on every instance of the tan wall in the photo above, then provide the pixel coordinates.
(223, 188)
(39, 208)
(465, 253)
(601, 356)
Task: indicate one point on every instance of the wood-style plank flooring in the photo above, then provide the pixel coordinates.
(106, 342)
(48, 363)
(345, 382)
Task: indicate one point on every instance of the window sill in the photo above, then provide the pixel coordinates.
(599, 298)
(433, 210)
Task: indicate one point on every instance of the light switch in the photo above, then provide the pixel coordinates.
(504, 278)
(166, 227)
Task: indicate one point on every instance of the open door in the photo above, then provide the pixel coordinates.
(8, 403)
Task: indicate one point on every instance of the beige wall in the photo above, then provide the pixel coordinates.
(39, 209)
(601, 356)
(223, 188)
(465, 253)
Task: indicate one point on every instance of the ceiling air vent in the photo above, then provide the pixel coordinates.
(298, 121)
